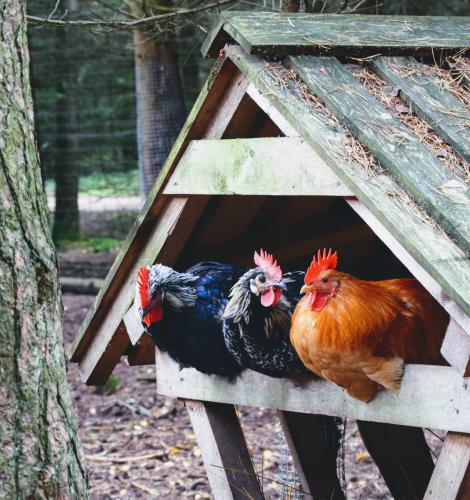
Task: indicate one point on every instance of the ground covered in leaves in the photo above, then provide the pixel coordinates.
(139, 445)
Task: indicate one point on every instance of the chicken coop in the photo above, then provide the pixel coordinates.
(350, 132)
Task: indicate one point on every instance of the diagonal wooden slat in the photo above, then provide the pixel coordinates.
(277, 32)
(443, 112)
(441, 193)
(451, 477)
(382, 196)
(227, 459)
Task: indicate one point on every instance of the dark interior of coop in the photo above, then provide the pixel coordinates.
(290, 227)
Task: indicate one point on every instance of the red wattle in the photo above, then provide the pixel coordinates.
(268, 297)
(316, 300)
(154, 315)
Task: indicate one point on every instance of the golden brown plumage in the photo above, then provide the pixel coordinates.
(358, 333)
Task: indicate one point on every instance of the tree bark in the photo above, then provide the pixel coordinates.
(41, 455)
(66, 215)
(161, 109)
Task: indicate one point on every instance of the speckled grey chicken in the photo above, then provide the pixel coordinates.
(256, 320)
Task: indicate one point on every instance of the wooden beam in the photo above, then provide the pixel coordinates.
(402, 456)
(280, 33)
(143, 353)
(271, 111)
(456, 348)
(280, 166)
(226, 458)
(108, 351)
(441, 193)
(223, 81)
(383, 197)
(165, 241)
(133, 325)
(451, 477)
(443, 112)
(316, 469)
(430, 396)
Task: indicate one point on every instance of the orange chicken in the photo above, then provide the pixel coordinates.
(358, 334)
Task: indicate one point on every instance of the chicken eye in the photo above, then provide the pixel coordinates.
(325, 279)
(261, 278)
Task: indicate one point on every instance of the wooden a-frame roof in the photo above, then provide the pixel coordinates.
(297, 122)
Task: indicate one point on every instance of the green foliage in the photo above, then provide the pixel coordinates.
(112, 184)
(89, 243)
(109, 387)
(104, 184)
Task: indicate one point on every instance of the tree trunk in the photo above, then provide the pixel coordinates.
(161, 110)
(41, 456)
(66, 216)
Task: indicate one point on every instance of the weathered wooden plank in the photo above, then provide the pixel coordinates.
(287, 129)
(133, 325)
(143, 353)
(315, 466)
(165, 240)
(443, 112)
(280, 33)
(451, 477)
(413, 266)
(226, 107)
(440, 192)
(383, 197)
(108, 351)
(402, 456)
(430, 396)
(226, 458)
(279, 166)
(223, 82)
(456, 348)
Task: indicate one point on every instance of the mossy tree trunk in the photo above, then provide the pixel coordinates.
(161, 109)
(41, 455)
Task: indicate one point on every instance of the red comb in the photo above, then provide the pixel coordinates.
(321, 262)
(268, 264)
(143, 284)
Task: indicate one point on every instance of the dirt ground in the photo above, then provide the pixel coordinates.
(139, 445)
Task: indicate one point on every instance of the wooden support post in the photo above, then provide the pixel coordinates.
(226, 458)
(143, 353)
(317, 470)
(456, 348)
(451, 477)
(402, 456)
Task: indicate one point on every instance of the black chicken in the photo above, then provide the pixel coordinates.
(182, 312)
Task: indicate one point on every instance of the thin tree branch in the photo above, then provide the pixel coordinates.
(125, 23)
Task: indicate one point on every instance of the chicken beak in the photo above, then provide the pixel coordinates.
(305, 289)
(156, 300)
(279, 284)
